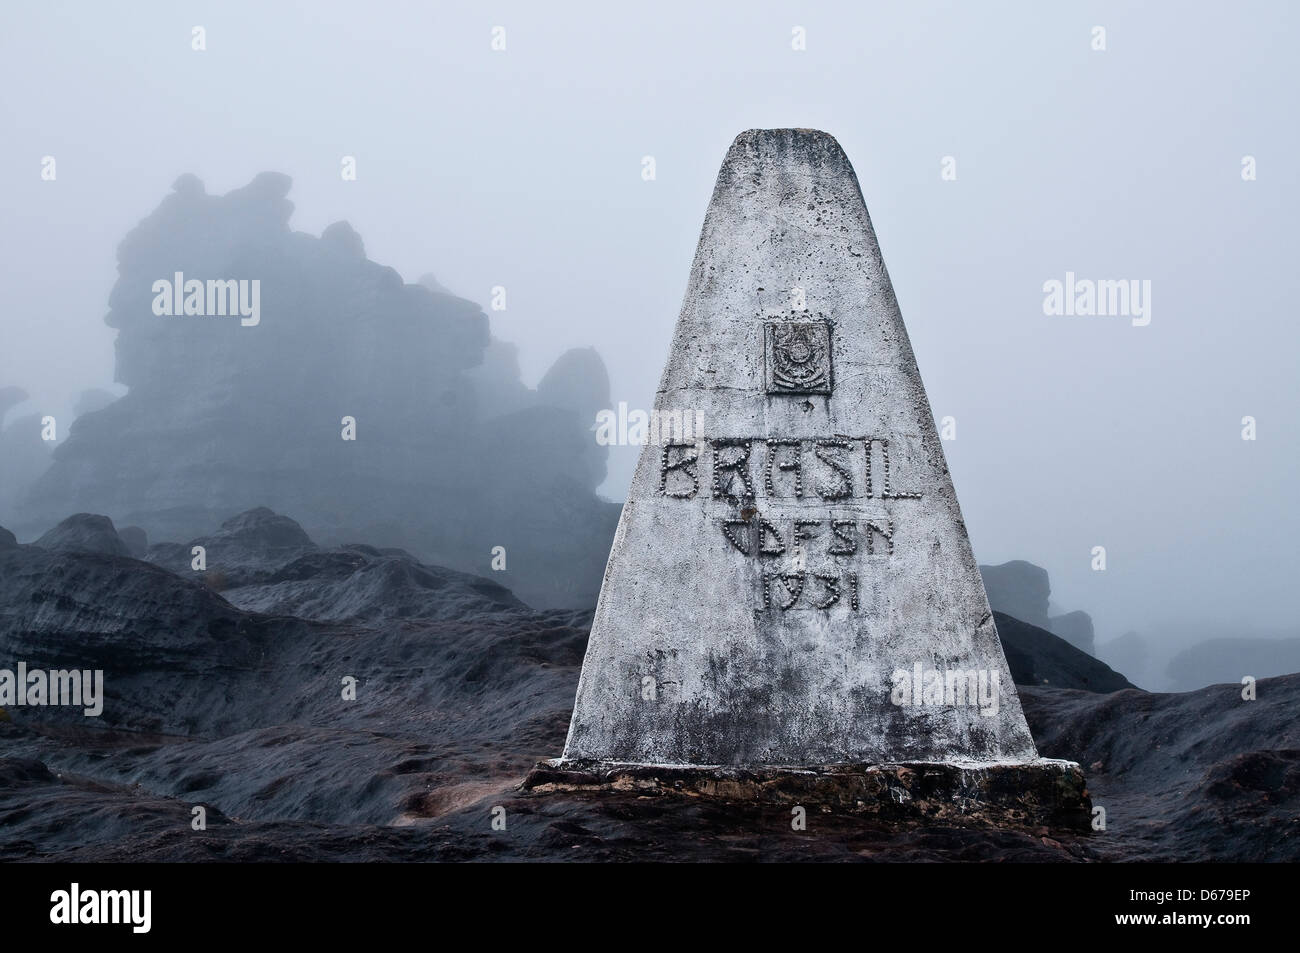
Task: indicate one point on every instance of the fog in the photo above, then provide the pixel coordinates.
(522, 168)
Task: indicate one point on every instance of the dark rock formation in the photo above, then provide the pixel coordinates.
(578, 383)
(90, 401)
(167, 646)
(1023, 590)
(208, 703)
(1019, 589)
(222, 417)
(1075, 628)
(235, 692)
(497, 385)
(248, 547)
(361, 584)
(1037, 657)
(85, 533)
(264, 562)
(7, 539)
(136, 540)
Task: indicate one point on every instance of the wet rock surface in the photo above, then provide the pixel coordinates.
(209, 703)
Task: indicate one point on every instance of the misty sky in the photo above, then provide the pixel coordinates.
(522, 168)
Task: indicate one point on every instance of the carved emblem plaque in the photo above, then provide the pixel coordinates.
(798, 357)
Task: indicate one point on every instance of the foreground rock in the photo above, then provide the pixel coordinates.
(1193, 776)
(209, 704)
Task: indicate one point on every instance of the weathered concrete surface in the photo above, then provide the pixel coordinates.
(1018, 794)
(723, 638)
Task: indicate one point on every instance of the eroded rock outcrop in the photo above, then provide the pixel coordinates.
(85, 533)
(243, 404)
(1019, 589)
(208, 703)
(1023, 591)
(1076, 628)
(261, 561)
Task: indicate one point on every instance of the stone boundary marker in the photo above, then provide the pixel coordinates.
(791, 603)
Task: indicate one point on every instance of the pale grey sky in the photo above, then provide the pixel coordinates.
(522, 168)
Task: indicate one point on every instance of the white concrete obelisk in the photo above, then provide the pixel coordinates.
(793, 586)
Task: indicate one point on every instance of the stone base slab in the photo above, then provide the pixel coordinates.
(1037, 793)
